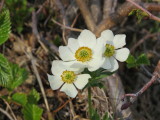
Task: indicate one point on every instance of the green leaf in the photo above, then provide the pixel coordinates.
(95, 115)
(32, 112)
(5, 72)
(11, 75)
(20, 98)
(5, 26)
(130, 59)
(142, 59)
(131, 65)
(139, 14)
(106, 117)
(18, 76)
(33, 97)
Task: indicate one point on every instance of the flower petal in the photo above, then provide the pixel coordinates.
(122, 54)
(87, 38)
(114, 64)
(69, 89)
(106, 64)
(107, 35)
(55, 81)
(119, 40)
(82, 80)
(95, 63)
(100, 46)
(73, 44)
(65, 53)
(77, 64)
(58, 67)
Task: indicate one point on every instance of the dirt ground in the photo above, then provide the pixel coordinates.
(50, 23)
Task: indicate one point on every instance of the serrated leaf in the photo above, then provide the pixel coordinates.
(5, 26)
(132, 62)
(142, 59)
(5, 72)
(33, 97)
(19, 75)
(32, 112)
(11, 75)
(130, 59)
(20, 98)
(131, 65)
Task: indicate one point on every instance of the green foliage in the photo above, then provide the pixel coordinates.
(33, 97)
(141, 60)
(96, 116)
(20, 98)
(19, 11)
(5, 72)
(94, 81)
(106, 117)
(139, 13)
(11, 75)
(32, 112)
(18, 76)
(30, 109)
(5, 26)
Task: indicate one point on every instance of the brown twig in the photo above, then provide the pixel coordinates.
(6, 113)
(66, 27)
(86, 15)
(95, 6)
(150, 15)
(12, 113)
(74, 21)
(142, 40)
(35, 31)
(58, 109)
(120, 14)
(33, 62)
(133, 97)
(1, 5)
(107, 8)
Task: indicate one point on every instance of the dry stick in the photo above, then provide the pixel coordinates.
(155, 77)
(95, 6)
(75, 20)
(1, 5)
(33, 62)
(107, 8)
(64, 19)
(66, 27)
(142, 40)
(86, 15)
(150, 15)
(35, 31)
(120, 14)
(12, 113)
(58, 109)
(6, 113)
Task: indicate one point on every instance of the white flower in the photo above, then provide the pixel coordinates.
(110, 48)
(82, 52)
(67, 78)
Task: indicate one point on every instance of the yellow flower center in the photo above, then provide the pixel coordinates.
(68, 76)
(109, 50)
(83, 54)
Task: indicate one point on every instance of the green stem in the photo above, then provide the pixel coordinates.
(89, 102)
